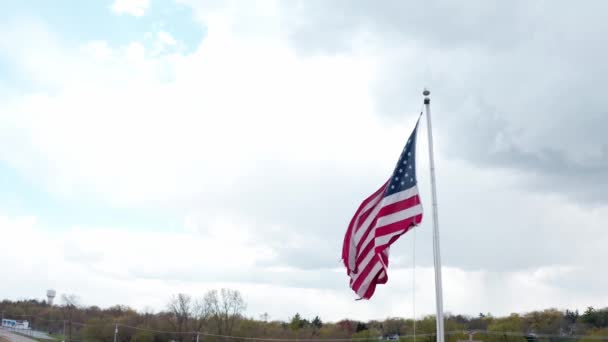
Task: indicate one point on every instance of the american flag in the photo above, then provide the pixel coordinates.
(381, 219)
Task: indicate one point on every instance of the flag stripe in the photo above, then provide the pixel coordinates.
(384, 234)
(349, 247)
(367, 238)
(398, 216)
(380, 220)
(387, 209)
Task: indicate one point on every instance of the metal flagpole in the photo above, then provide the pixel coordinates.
(436, 251)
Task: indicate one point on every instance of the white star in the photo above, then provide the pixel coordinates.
(406, 174)
(402, 183)
(411, 179)
(409, 153)
(410, 167)
(397, 178)
(392, 186)
(400, 170)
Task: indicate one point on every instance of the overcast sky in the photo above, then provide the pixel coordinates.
(149, 148)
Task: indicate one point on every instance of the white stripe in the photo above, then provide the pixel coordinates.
(400, 196)
(394, 198)
(370, 205)
(399, 216)
(382, 275)
(368, 280)
(352, 250)
(365, 226)
(364, 262)
(369, 238)
(384, 239)
(370, 253)
(413, 211)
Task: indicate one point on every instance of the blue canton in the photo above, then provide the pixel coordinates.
(404, 175)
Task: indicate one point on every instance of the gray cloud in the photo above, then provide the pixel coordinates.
(519, 117)
(516, 85)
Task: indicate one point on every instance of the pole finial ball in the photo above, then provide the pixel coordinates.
(426, 92)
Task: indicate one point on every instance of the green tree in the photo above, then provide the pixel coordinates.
(297, 322)
(317, 323)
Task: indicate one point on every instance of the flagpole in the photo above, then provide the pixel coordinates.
(436, 251)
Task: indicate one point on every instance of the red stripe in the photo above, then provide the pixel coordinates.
(349, 232)
(387, 210)
(378, 255)
(370, 198)
(369, 228)
(363, 251)
(395, 226)
(380, 278)
(384, 258)
(372, 286)
(363, 216)
(398, 206)
(365, 272)
(369, 248)
(404, 225)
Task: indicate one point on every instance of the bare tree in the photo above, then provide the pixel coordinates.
(224, 309)
(180, 308)
(70, 304)
(200, 314)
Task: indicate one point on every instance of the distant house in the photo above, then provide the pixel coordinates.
(11, 323)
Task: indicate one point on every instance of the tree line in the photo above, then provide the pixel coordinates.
(222, 313)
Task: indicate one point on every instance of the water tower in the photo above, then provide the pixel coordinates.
(50, 295)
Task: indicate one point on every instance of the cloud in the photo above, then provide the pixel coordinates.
(511, 87)
(193, 123)
(166, 38)
(135, 8)
(267, 136)
(143, 269)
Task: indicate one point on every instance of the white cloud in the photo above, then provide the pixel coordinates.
(133, 7)
(135, 53)
(166, 38)
(210, 126)
(110, 265)
(266, 152)
(99, 50)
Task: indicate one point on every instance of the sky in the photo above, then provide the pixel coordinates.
(149, 148)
